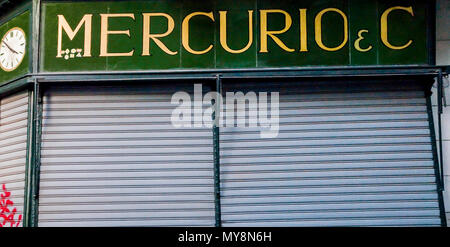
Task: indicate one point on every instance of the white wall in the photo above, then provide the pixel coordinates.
(443, 58)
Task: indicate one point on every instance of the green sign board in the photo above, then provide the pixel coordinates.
(155, 35)
(14, 47)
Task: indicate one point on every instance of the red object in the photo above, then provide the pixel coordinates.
(8, 216)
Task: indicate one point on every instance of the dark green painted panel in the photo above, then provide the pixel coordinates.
(22, 21)
(402, 28)
(237, 34)
(157, 59)
(364, 18)
(361, 15)
(202, 35)
(50, 31)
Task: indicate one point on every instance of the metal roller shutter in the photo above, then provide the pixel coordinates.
(346, 155)
(13, 154)
(110, 157)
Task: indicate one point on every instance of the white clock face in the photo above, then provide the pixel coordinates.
(12, 49)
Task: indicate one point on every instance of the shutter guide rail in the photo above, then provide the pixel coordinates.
(440, 111)
(36, 153)
(216, 140)
(438, 159)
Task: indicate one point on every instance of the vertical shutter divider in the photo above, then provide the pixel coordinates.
(216, 138)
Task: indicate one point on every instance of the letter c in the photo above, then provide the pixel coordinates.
(185, 32)
(384, 27)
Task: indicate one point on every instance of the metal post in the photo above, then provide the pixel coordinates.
(29, 163)
(33, 100)
(435, 159)
(216, 140)
(35, 152)
(439, 101)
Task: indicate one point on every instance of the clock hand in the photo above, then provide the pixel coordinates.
(9, 47)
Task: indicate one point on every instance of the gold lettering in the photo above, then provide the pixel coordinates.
(155, 37)
(265, 32)
(223, 32)
(303, 31)
(318, 27)
(360, 37)
(185, 32)
(104, 32)
(63, 25)
(384, 27)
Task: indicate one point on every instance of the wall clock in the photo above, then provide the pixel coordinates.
(12, 49)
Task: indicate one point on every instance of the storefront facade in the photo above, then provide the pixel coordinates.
(87, 101)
